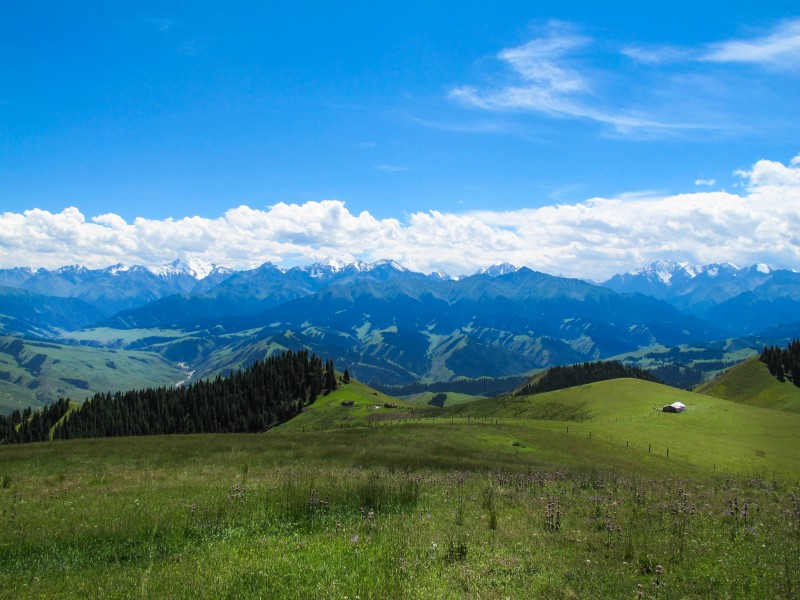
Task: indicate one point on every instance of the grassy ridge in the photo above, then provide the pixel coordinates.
(750, 382)
(368, 407)
(38, 373)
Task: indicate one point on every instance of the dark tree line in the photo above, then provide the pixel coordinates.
(483, 386)
(30, 426)
(681, 376)
(783, 363)
(557, 378)
(438, 400)
(249, 400)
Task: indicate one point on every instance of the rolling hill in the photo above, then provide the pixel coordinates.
(611, 424)
(36, 373)
(714, 433)
(750, 382)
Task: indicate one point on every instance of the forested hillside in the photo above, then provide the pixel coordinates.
(557, 378)
(783, 363)
(250, 400)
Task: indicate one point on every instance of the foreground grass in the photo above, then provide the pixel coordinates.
(459, 510)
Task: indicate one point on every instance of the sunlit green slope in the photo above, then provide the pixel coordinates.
(750, 382)
(37, 373)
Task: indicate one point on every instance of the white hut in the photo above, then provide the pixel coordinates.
(675, 407)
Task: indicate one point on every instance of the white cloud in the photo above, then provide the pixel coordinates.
(595, 238)
(780, 48)
(663, 90)
(549, 76)
(656, 54)
(708, 182)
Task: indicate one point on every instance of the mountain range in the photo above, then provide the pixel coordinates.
(392, 325)
(743, 301)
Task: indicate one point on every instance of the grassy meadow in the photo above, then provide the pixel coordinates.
(465, 505)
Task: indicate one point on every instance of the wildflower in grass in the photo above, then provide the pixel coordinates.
(657, 582)
(355, 539)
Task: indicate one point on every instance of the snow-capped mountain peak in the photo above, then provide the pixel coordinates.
(116, 269)
(663, 270)
(716, 269)
(331, 266)
(194, 267)
(498, 270)
(71, 269)
(440, 275)
(388, 262)
(333, 263)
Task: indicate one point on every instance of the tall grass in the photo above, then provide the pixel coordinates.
(234, 516)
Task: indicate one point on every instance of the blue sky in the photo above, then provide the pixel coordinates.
(168, 111)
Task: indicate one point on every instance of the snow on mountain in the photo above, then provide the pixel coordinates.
(663, 271)
(194, 267)
(333, 263)
(71, 269)
(385, 261)
(667, 272)
(116, 269)
(330, 266)
(498, 270)
(441, 276)
(220, 271)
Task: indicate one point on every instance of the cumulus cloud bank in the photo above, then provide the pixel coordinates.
(593, 239)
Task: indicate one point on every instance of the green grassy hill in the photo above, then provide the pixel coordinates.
(750, 382)
(607, 424)
(368, 408)
(38, 373)
(713, 433)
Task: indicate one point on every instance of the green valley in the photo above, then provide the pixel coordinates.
(581, 492)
